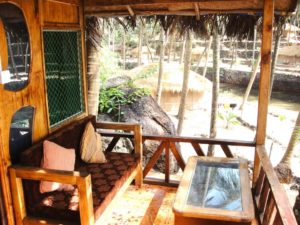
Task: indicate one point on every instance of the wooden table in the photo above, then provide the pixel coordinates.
(214, 191)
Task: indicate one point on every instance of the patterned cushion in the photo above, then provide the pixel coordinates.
(107, 179)
(91, 146)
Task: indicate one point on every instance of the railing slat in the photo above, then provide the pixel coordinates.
(260, 181)
(262, 200)
(227, 151)
(154, 158)
(197, 148)
(167, 162)
(177, 155)
(278, 219)
(112, 144)
(270, 212)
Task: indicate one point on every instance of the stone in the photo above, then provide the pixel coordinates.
(153, 119)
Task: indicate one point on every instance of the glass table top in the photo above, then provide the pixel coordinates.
(216, 185)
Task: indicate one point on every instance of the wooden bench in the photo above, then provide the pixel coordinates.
(97, 184)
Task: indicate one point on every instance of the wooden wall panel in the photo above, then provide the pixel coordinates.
(33, 95)
(58, 13)
(3, 47)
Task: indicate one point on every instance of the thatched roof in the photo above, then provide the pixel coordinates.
(145, 50)
(172, 78)
(290, 51)
(180, 7)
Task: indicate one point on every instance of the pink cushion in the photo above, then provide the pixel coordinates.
(58, 158)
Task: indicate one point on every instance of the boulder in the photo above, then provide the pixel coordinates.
(154, 121)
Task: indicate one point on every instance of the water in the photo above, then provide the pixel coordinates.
(283, 100)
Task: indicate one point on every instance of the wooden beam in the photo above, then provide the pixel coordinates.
(154, 158)
(197, 11)
(264, 82)
(112, 144)
(130, 10)
(121, 13)
(265, 73)
(177, 156)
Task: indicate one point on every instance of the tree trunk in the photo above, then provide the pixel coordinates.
(94, 37)
(124, 51)
(294, 140)
(250, 84)
(140, 46)
(182, 50)
(215, 91)
(274, 59)
(171, 44)
(185, 85)
(161, 66)
(207, 56)
(284, 168)
(254, 46)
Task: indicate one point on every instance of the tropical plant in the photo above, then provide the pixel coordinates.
(228, 116)
(111, 100)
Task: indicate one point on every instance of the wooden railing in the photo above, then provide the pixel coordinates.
(271, 201)
(167, 145)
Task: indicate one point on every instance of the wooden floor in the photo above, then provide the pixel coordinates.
(146, 206)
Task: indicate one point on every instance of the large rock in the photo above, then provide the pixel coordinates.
(154, 121)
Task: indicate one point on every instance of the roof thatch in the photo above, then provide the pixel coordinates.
(172, 78)
(180, 7)
(145, 50)
(290, 51)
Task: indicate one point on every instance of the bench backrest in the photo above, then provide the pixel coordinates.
(68, 137)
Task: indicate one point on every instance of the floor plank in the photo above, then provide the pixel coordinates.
(145, 206)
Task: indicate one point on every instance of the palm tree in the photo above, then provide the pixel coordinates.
(185, 88)
(161, 64)
(215, 92)
(93, 40)
(283, 169)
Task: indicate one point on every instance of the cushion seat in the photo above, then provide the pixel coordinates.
(107, 178)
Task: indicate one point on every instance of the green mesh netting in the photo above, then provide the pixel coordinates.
(62, 50)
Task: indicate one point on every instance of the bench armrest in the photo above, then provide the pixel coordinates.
(81, 180)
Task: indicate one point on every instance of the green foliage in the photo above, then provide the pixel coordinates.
(112, 100)
(108, 64)
(228, 116)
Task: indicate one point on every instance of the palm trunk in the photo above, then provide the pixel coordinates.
(124, 51)
(140, 46)
(207, 56)
(94, 37)
(254, 46)
(161, 66)
(182, 50)
(185, 85)
(215, 92)
(250, 84)
(274, 59)
(171, 44)
(287, 158)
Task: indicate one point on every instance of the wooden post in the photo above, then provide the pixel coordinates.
(265, 77)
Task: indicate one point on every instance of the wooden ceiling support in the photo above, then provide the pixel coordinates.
(197, 11)
(130, 10)
(264, 82)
